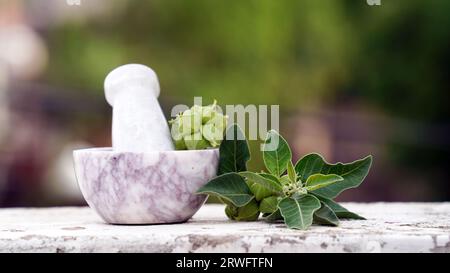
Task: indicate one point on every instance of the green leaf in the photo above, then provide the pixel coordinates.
(249, 212)
(325, 216)
(273, 217)
(271, 177)
(234, 151)
(291, 172)
(226, 202)
(259, 191)
(317, 181)
(276, 158)
(284, 180)
(231, 187)
(298, 211)
(269, 204)
(353, 173)
(340, 211)
(270, 184)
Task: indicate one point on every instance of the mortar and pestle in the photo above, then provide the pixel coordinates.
(141, 179)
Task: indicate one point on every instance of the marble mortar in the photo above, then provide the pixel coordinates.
(144, 188)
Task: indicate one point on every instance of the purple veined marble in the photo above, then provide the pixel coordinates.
(144, 188)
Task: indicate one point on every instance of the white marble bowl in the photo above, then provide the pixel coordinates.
(144, 188)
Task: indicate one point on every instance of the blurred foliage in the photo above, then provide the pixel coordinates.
(290, 53)
(294, 53)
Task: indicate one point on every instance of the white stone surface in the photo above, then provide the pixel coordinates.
(391, 227)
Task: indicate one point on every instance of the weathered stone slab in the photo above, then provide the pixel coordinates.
(391, 227)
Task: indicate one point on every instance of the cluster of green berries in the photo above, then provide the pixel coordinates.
(199, 127)
(263, 200)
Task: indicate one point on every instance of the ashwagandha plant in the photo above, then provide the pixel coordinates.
(199, 127)
(299, 195)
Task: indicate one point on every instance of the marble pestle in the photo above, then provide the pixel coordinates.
(142, 179)
(138, 123)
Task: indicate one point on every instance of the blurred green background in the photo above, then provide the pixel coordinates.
(351, 79)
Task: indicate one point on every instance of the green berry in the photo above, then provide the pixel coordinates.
(195, 142)
(249, 212)
(199, 127)
(190, 122)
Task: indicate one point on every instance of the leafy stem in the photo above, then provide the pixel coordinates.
(299, 195)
